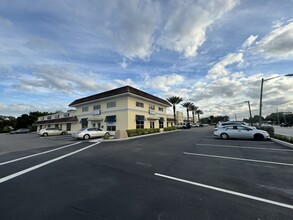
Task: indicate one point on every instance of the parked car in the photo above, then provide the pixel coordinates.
(87, 133)
(52, 131)
(183, 125)
(20, 131)
(285, 124)
(196, 125)
(223, 124)
(241, 132)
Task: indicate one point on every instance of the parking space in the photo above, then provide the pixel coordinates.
(255, 172)
(187, 174)
(20, 142)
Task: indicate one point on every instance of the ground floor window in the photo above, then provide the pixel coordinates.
(111, 127)
(68, 127)
(56, 126)
(139, 121)
(152, 124)
(111, 122)
(84, 123)
(161, 123)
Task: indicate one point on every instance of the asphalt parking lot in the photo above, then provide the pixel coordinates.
(188, 174)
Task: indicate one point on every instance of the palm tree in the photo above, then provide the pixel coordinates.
(174, 100)
(199, 112)
(193, 108)
(187, 105)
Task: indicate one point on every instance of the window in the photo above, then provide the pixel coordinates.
(49, 117)
(57, 116)
(66, 115)
(152, 124)
(161, 123)
(111, 122)
(139, 121)
(139, 104)
(161, 109)
(56, 126)
(111, 104)
(68, 127)
(84, 123)
(152, 107)
(85, 108)
(96, 107)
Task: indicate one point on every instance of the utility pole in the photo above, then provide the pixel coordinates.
(278, 116)
(250, 116)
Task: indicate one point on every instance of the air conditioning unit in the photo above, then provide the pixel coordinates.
(97, 112)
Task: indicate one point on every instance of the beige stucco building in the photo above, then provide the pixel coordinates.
(119, 109)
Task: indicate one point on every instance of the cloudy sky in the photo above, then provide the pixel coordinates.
(210, 52)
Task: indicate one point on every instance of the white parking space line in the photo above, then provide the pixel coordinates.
(4, 179)
(236, 158)
(227, 191)
(37, 154)
(252, 148)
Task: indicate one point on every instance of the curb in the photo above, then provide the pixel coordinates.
(283, 143)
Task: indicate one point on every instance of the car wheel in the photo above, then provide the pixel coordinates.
(63, 133)
(45, 134)
(86, 137)
(258, 137)
(224, 136)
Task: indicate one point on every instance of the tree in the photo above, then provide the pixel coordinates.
(198, 112)
(174, 100)
(193, 108)
(187, 105)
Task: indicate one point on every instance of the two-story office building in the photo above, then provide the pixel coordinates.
(118, 109)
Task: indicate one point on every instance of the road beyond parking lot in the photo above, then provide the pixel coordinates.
(187, 174)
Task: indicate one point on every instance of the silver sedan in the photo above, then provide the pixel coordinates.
(87, 133)
(241, 132)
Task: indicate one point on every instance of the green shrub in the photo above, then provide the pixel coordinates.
(141, 131)
(106, 136)
(283, 138)
(170, 128)
(269, 129)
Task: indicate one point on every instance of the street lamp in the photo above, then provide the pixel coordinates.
(261, 90)
(250, 116)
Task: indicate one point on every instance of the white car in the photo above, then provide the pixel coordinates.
(52, 131)
(87, 133)
(241, 132)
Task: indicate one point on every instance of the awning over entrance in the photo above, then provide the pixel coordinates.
(110, 119)
(139, 118)
(83, 120)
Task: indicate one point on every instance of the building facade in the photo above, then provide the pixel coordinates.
(119, 109)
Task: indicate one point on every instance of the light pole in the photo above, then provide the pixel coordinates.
(250, 116)
(261, 91)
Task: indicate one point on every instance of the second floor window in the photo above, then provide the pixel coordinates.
(96, 107)
(85, 109)
(49, 117)
(139, 104)
(152, 107)
(161, 109)
(111, 104)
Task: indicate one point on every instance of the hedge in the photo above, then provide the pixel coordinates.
(170, 128)
(141, 131)
(283, 138)
(269, 129)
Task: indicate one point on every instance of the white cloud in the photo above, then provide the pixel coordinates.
(220, 68)
(187, 21)
(278, 43)
(249, 41)
(164, 82)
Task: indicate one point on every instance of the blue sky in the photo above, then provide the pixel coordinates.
(213, 53)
